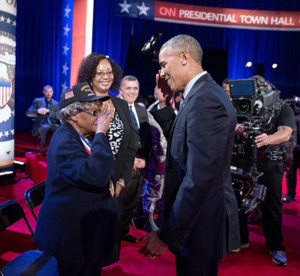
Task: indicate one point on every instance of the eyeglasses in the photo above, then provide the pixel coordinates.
(101, 74)
(95, 113)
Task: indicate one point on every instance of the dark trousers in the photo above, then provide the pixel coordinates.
(45, 130)
(200, 266)
(291, 176)
(131, 198)
(78, 268)
(272, 206)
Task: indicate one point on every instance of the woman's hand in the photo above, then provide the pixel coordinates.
(120, 185)
(104, 119)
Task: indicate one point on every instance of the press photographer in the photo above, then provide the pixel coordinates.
(265, 123)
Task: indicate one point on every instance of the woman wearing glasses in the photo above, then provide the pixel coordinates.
(77, 222)
(103, 74)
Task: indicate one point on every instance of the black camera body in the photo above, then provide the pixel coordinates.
(252, 98)
(256, 104)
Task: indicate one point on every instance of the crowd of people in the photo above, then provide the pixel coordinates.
(110, 150)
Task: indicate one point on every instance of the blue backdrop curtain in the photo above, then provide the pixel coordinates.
(38, 52)
(111, 35)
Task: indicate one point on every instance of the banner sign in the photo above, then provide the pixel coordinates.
(7, 83)
(209, 16)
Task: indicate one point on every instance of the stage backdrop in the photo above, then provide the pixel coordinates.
(40, 48)
(7, 83)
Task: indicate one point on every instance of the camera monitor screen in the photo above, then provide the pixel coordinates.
(242, 88)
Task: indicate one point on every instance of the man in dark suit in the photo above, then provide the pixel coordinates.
(198, 194)
(129, 91)
(45, 113)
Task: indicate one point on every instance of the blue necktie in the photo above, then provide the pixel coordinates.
(133, 117)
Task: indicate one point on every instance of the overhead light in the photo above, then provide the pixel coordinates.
(248, 64)
(274, 65)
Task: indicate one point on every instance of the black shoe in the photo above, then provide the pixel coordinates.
(288, 199)
(127, 237)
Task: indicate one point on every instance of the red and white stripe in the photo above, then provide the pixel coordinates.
(5, 94)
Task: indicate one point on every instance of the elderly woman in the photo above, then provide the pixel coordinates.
(77, 222)
(102, 74)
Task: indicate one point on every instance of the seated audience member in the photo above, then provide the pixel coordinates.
(45, 112)
(77, 222)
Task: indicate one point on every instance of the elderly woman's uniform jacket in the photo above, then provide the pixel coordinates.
(78, 218)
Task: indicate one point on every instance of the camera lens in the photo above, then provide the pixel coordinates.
(243, 106)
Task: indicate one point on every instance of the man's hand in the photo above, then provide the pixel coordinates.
(164, 88)
(154, 246)
(282, 134)
(43, 111)
(240, 129)
(262, 140)
(139, 163)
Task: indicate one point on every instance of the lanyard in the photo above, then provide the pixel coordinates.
(85, 143)
(87, 147)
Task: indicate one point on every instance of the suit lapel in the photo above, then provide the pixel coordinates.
(199, 83)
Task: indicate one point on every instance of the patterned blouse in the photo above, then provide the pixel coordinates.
(115, 134)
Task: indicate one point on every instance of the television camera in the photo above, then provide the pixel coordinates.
(255, 103)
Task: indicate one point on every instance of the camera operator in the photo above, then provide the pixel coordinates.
(291, 175)
(269, 141)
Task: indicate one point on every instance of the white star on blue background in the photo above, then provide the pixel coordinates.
(67, 29)
(125, 7)
(64, 86)
(67, 10)
(143, 9)
(66, 49)
(65, 68)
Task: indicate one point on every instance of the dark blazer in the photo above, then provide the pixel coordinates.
(78, 218)
(198, 174)
(129, 145)
(144, 133)
(122, 168)
(32, 112)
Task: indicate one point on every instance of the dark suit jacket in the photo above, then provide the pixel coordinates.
(32, 112)
(129, 145)
(198, 173)
(78, 218)
(144, 133)
(122, 168)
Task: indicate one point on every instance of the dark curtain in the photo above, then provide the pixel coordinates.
(111, 34)
(38, 50)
